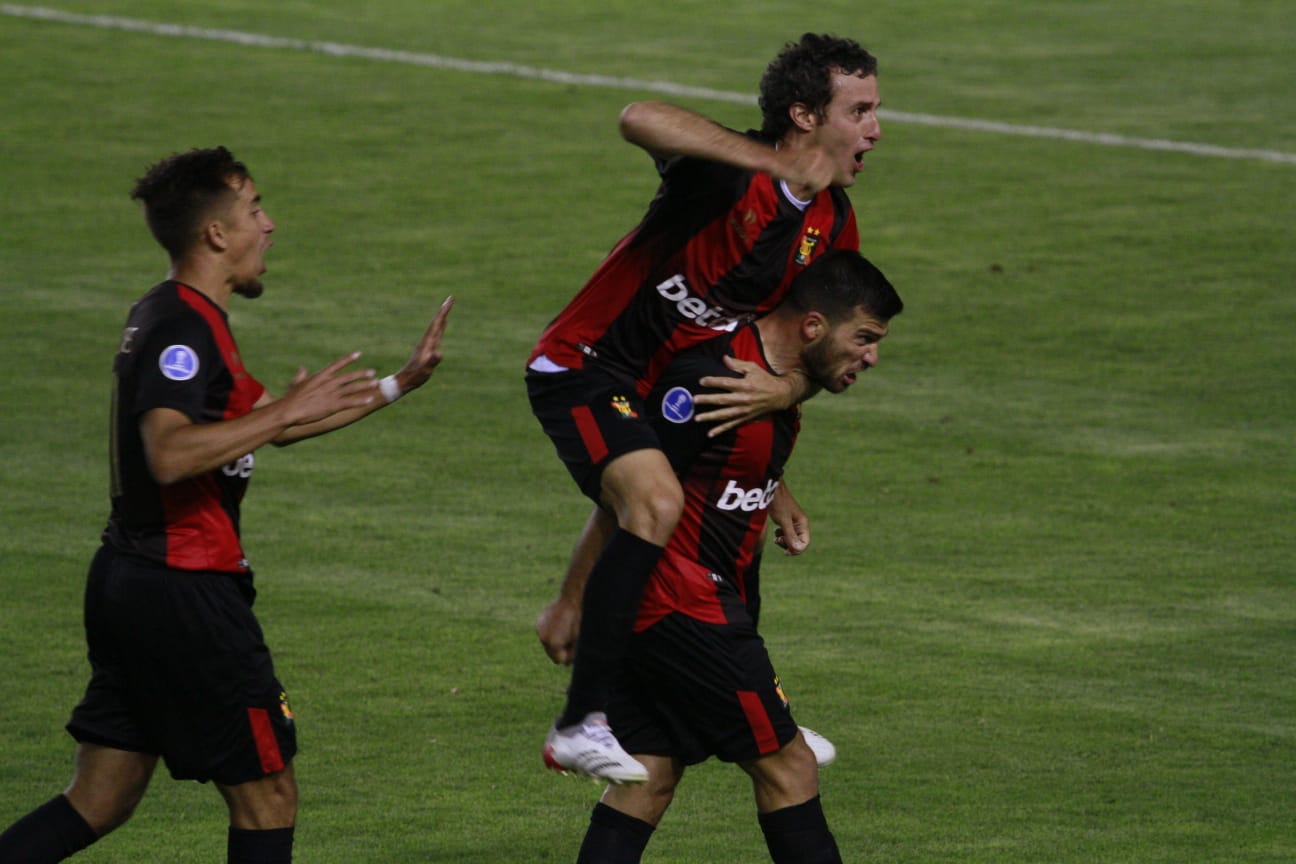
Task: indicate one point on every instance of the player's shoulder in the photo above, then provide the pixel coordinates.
(162, 318)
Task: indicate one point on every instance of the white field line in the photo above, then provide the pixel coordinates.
(664, 88)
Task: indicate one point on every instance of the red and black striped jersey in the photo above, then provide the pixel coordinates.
(718, 247)
(729, 482)
(177, 352)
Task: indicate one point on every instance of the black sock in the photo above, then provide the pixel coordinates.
(51, 832)
(800, 835)
(612, 594)
(271, 846)
(613, 837)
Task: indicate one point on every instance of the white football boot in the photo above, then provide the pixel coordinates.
(591, 750)
(822, 748)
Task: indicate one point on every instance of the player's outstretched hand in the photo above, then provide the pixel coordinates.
(558, 627)
(311, 398)
(755, 392)
(427, 355)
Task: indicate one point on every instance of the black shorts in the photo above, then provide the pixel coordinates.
(693, 690)
(179, 669)
(592, 417)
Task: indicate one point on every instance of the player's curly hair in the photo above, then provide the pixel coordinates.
(803, 73)
(180, 191)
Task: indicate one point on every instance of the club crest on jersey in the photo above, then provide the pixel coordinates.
(622, 406)
(179, 363)
(677, 405)
(742, 225)
(808, 244)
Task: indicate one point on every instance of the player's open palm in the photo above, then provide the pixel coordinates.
(427, 356)
(311, 398)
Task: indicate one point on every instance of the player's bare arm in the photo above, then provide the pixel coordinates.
(666, 130)
(558, 625)
(753, 393)
(178, 448)
(414, 374)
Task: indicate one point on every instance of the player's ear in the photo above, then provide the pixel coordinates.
(803, 116)
(213, 234)
(813, 326)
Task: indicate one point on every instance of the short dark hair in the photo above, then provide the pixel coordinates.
(802, 72)
(837, 283)
(181, 190)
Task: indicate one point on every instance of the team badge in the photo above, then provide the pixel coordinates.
(778, 688)
(808, 244)
(742, 226)
(179, 363)
(284, 708)
(622, 406)
(677, 405)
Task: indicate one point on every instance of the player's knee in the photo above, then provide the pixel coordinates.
(270, 802)
(648, 801)
(653, 513)
(789, 776)
(104, 813)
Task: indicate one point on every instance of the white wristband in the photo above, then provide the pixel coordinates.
(390, 388)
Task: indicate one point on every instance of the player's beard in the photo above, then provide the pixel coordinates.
(250, 290)
(819, 366)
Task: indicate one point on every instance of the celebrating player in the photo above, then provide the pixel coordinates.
(179, 667)
(697, 680)
(736, 218)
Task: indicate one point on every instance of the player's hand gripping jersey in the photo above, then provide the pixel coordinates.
(718, 247)
(177, 352)
(728, 481)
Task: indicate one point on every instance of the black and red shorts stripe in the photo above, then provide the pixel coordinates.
(180, 669)
(592, 417)
(692, 689)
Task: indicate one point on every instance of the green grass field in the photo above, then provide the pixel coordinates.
(1050, 612)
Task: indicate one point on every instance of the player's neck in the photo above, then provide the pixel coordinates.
(781, 342)
(203, 280)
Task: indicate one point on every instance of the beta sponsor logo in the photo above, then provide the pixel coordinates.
(737, 498)
(677, 405)
(240, 467)
(675, 290)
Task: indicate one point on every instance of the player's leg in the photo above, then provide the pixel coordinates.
(600, 431)
(642, 491)
(263, 813)
(624, 820)
(786, 786)
(106, 787)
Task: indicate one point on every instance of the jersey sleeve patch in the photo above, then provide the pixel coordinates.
(677, 405)
(178, 362)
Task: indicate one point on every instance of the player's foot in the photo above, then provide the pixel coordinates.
(820, 746)
(590, 749)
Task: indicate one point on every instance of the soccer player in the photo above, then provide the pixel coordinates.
(736, 217)
(179, 668)
(697, 680)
